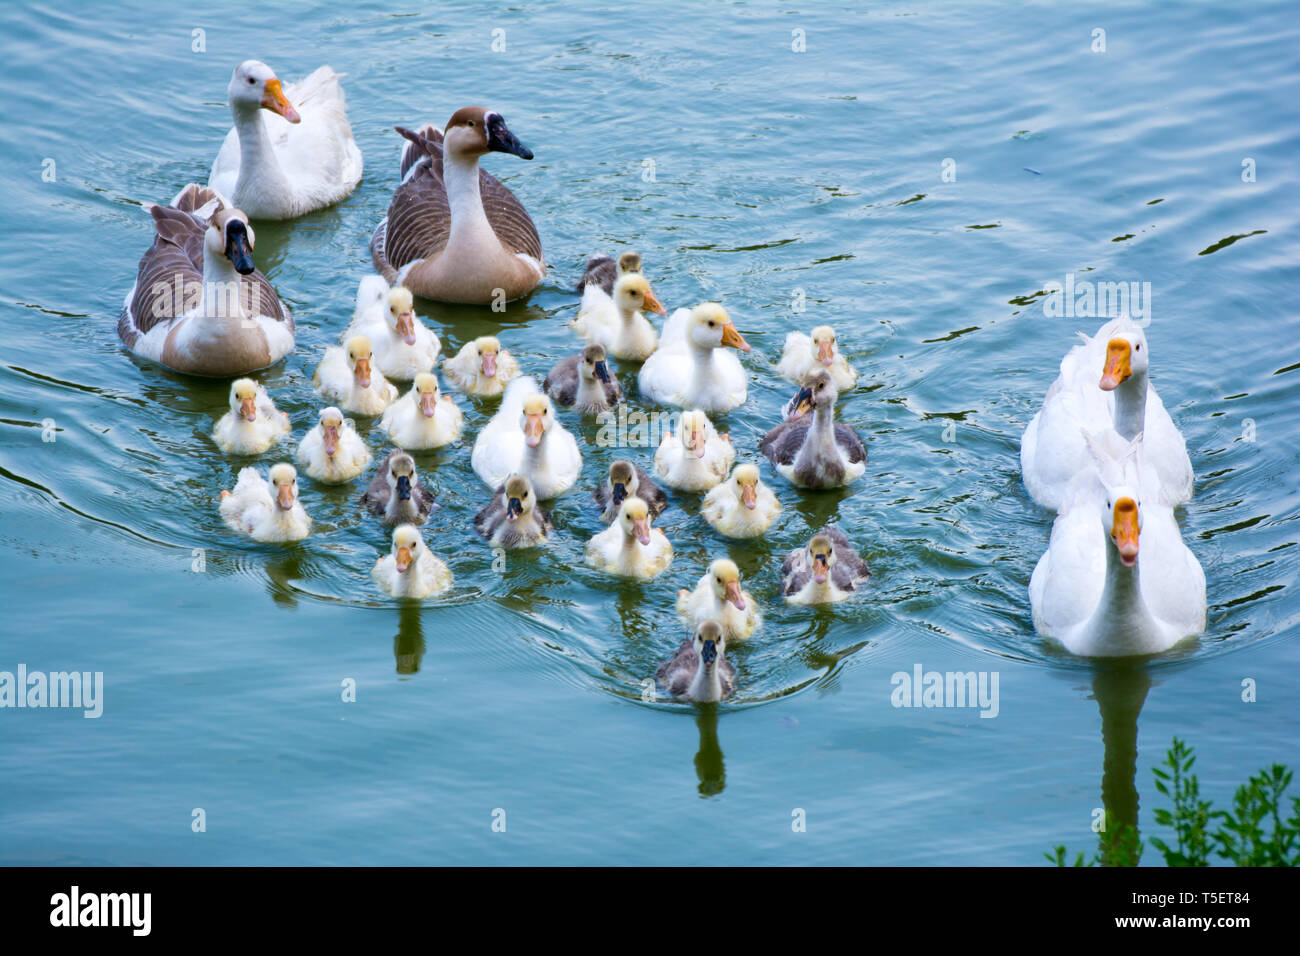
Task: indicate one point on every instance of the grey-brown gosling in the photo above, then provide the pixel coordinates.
(700, 669)
(824, 571)
(396, 495)
(813, 451)
(603, 271)
(513, 518)
(584, 382)
(627, 480)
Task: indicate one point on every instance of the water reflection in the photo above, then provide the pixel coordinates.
(1120, 689)
(408, 642)
(281, 572)
(710, 766)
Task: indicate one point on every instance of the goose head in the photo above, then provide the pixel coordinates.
(823, 343)
(401, 476)
(474, 131)
(1126, 355)
(243, 399)
(710, 644)
(1123, 522)
(818, 391)
(284, 478)
(255, 86)
(634, 519)
(229, 234)
(710, 327)
(593, 366)
(400, 314)
(629, 261)
(331, 423)
(744, 484)
(359, 352)
(488, 348)
(821, 556)
(693, 429)
(427, 393)
(622, 481)
(406, 547)
(519, 497)
(632, 294)
(536, 419)
(724, 579)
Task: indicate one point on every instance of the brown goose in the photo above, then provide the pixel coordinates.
(199, 305)
(396, 495)
(584, 382)
(453, 232)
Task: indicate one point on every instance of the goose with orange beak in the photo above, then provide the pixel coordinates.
(253, 424)
(742, 506)
(617, 319)
(825, 571)
(332, 452)
(291, 150)
(820, 349)
(482, 367)
(719, 597)
(694, 366)
(410, 569)
(1117, 579)
(697, 457)
(347, 378)
(525, 438)
(700, 670)
(267, 511)
(423, 418)
(403, 346)
(396, 495)
(630, 547)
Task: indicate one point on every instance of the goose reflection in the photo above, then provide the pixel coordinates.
(710, 766)
(281, 572)
(1120, 689)
(408, 642)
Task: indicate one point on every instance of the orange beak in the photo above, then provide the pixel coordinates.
(490, 364)
(749, 496)
(285, 496)
(403, 558)
(733, 339)
(733, 595)
(1124, 531)
(698, 442)
(248, 408)
(362, 372)
(406, 327)
(826, 352)
(533, 430)
(427, 404)
(275, 101)
(652, 304)
(641, 528)
(1117, 364)
(331, 439)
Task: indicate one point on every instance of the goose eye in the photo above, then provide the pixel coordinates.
(1138, 348)
(251, 81)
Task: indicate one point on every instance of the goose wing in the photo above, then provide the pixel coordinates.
(781, 445)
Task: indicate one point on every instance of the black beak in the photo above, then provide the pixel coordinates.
(620, 492)
(513, 509)
(803, 401)
(602, 372)
(501, 140)
(238, 250)
(403, 488)
(709, 653)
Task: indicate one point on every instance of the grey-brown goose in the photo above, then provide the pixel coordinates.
(700, 669)
(603, 271)
(627, 480)
(396, 495)
(584, 382)
(453, 232)
(824, 571)
(812, 451)
(513, 518)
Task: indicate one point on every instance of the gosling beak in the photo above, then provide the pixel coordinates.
(803, 402)
(501, 140)
(709, 652)
(602, 372)
(533, 430)
(734, 596)
(490, 364)
(820, 567)
(641, 528)
(403, 558)
(1117, 364)
(238, 251)
(826, 352)
(749, 496)
(1124, 531)
(403, 487)
(275, 101)
(514, 508)
(406, 327)
(362, 372)
(620, 492)
(733, 339)
(248, 408)
(331, 439)
(653, 305)
(428, 404)
(285, 497)
(698, 443)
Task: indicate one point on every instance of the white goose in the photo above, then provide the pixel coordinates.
(280, 162)
(1117, 579)
(697, 458)
(719, 597)
(481, 367)
(742, 506)
(525, 438)
(1103, 390)
(411, 570)
(690, 368)
(403, 346)
(617, 321)
(423, 418)
(266, 511)
(332, 452)
(253, 423)
(346, 377)
(803, 353)
(629, 547)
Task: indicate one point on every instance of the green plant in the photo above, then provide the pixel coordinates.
(1190, 814)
